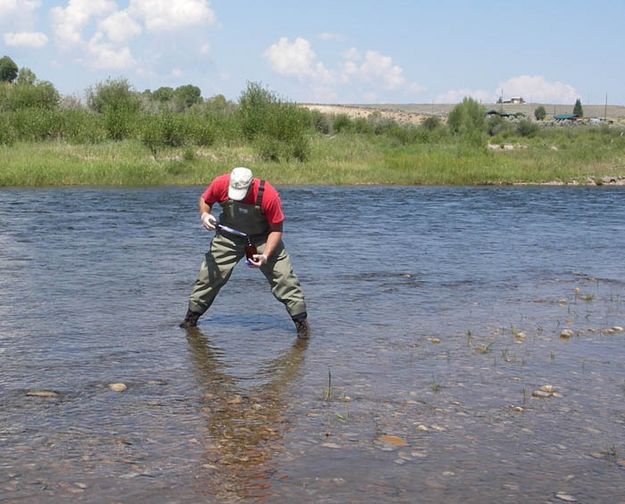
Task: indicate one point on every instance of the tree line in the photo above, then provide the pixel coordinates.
(277, 129)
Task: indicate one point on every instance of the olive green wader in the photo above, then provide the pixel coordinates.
(227, 250)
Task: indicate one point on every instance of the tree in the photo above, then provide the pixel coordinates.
(163, 94)
(188, 95)
(41, 94)
(540, 113)
(8, 69)
(466, 117)
(113, 95)
(26, 76)
(577, 109)
(118, 104)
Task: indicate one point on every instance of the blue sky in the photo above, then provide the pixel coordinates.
(340, 51)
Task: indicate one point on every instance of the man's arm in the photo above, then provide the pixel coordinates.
(208, 220)
(273, 240)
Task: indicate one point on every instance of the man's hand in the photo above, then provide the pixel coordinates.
(257, 260)
(208, 221)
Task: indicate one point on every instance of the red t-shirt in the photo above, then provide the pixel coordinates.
(270, 204)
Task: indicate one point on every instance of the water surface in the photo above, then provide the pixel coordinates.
(436, 314)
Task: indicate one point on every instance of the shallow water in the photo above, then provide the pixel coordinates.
(436, 313)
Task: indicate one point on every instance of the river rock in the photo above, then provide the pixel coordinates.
(566, 333)
(390, 440)
(118, 387)
(565, 497)
(42, 393)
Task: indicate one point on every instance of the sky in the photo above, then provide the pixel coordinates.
(328, 51)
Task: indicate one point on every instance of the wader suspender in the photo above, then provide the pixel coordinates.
(259, 196)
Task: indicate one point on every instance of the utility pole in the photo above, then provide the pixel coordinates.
(605, 110)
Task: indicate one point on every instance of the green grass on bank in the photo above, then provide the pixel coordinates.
(348, 158)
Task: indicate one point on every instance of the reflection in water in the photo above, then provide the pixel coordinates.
(245, 426)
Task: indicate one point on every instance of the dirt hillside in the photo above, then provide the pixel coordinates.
(416, 113)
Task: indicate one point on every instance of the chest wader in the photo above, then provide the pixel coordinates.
(227, 250)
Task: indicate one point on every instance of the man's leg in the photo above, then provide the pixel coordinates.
(286, 288)
(215, 271)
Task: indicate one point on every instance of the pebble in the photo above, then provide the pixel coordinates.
(540, 394)
(331, 445)
(546, 391)
(388, 439)
(565, 497)
(118, 387)
(42, 393)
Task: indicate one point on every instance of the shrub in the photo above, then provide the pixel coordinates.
(466, 117)
(254, 109)
(540, 113)
(201, 130)
(262, 114)
(431, 123)
(119, 123)
(7, 132)
(341, 122)
(320, 122)
(526, 128)
(35, 124)
(151, 135)
(116, 95)
(40, 95)
(496, 125)
(81, 126)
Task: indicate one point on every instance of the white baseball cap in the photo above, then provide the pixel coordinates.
(240, 180)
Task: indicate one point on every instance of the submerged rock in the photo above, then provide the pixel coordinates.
(565, 497)
(390, 440)
(118, 387)
(546, 391)
(42, 393)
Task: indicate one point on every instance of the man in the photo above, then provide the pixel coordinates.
(252, 206)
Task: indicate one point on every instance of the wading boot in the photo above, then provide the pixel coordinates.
(190, 319)
(303, 329)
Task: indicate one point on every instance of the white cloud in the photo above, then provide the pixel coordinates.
(456, 96)
(372, 71)
(34, 40)
(538, 89)
(377, 70)
(8, 7)
(297, 59)
(106, 56)
(163, 15)
(68, 22)
(177, 72)
(119, 27)
(205, 49)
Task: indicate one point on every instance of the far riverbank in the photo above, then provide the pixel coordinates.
(346, 159)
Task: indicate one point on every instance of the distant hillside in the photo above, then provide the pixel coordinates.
(414, 113)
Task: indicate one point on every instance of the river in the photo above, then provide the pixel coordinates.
(438, 314)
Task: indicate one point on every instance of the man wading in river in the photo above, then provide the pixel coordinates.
(251, 207)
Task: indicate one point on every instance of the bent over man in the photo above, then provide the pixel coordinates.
(253, 207)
